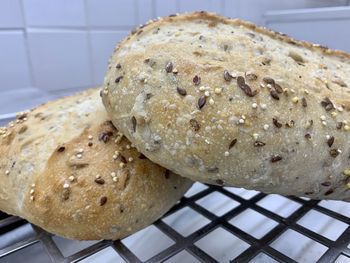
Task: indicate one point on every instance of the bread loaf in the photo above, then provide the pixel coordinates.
(65, 168)
(226, 102)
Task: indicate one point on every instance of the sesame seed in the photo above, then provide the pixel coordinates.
(290, 124)
(292, 90)
(324, 123)
(306, 91)
(226, 153)
(254, 105)
(169, 67)
(32, 191)
(99, 181)
(180, 91)
(259, 144)
(232, 143)
(33, 185)
(308, 136)
(130, 159)
(263, 106)
(98, 176)
(346, 127)
(90, 137)
(211, 101)
(113, 174)
(243, 117)
(128, 146)
(266, 127)
(65, 186)
(255, 136)
(202, 88)
(32, 198)
(79, 155)
(276, 123)
(340, 109)
(103, 200)
(115, 179)
(323, 118)
(275, 158)
(71, 178)
(7, 172)
(115, 157)
(295, 99)
(346, 172)
(330, 140)
(227, 75)
(122, 165)
(269, 86)
(262, 85)
(207, 93)
(217, 91)
(240, 121)
(201, 102)
(80, 150)
(334, 114)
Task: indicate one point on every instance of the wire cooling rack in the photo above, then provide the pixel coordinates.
(209, 224)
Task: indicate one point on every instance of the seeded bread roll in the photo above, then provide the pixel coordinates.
(65, 168)
(226, 102)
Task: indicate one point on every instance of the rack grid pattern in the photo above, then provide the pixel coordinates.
(219, 222)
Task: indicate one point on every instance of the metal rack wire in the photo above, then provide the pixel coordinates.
(253, 247)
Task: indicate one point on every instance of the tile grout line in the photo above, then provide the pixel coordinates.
(93, 82)
(32, 78)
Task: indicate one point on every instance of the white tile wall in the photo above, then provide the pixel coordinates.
(111, 13)
(60, 59)
(252, 10)
(62, 13)
(14, 68)
(10, 14)
(199, 5)
(325, 26)
(163, 10)
(145, 11)
(102, 45)
(230, 8)
(63, 45)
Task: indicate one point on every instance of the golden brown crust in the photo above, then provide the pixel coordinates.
(91, 183)
(225, 102)
(216, 19)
